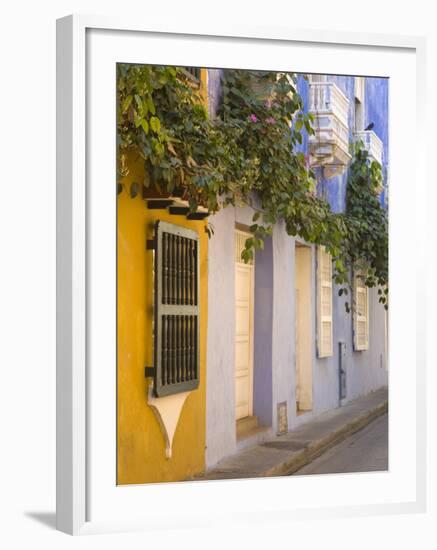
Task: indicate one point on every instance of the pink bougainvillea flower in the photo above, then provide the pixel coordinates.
(268, 104)
(270, 120)
(253, 118)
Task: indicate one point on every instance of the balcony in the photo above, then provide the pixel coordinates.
(329, 146)
(372, 143)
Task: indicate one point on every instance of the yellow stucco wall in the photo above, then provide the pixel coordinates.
(140, 442)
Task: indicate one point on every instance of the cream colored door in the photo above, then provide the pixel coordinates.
(244, 306)
(304, 368)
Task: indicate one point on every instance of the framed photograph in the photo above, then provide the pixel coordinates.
(240, 312)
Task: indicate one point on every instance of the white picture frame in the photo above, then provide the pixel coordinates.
(79, 422)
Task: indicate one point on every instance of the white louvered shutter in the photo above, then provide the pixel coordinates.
(361, 314)
(324, 303)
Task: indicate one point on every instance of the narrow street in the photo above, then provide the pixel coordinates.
(364, 451)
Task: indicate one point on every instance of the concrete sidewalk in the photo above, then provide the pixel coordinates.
(286, 454)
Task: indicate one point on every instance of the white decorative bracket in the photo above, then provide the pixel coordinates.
(168, 411)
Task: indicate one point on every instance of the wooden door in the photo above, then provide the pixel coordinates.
(244, 307)
(304, 340)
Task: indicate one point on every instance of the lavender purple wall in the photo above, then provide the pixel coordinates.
(263, 326)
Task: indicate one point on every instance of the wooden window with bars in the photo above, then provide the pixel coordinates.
(197, 79)
(192, 73)
(176, 309)
(361, 312)
(324, 303)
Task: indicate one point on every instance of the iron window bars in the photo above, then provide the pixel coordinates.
(176, 310)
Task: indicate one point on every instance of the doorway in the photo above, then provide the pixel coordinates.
(303, 305)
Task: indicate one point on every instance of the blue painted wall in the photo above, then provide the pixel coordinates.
(375, 110)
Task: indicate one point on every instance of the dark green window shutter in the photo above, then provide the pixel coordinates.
(176, 320)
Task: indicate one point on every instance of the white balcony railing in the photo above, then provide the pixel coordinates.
(329, 146)
(327, 97)
(372, 143)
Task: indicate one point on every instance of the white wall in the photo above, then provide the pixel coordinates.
(283, 352)
(220, 377)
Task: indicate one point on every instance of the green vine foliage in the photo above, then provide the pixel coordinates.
(162, 119)
(365, 245)
(284, 187)
(246, 155)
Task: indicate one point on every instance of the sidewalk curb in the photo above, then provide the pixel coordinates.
(319, 446)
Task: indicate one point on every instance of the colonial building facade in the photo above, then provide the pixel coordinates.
(245, 351)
